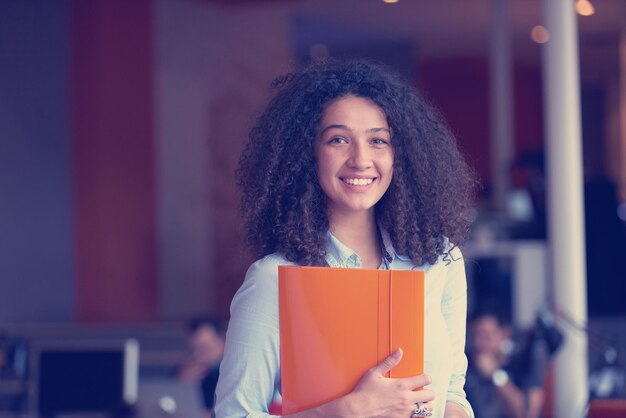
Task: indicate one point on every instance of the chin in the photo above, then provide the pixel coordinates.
(362, 207)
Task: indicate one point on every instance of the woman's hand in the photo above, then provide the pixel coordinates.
(486, 364)
(378, 396)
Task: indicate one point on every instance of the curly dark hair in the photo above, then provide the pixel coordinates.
(283, 204)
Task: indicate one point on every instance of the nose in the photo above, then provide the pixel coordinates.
(360, 156)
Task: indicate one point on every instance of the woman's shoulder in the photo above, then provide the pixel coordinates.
(268, 266)
(264, 271)
(259, 290)
(452, 253)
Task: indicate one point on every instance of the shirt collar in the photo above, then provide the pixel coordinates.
(388, 246)
(339, 255)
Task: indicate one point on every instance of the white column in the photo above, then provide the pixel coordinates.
(621, 149)
(501, 95)
(530, 281)
(565, 200)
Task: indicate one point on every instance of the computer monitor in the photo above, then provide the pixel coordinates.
(169, 398)
(83, 377)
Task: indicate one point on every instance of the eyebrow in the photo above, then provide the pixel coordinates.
(346, 128)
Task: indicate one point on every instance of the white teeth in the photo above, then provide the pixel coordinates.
(358, 182)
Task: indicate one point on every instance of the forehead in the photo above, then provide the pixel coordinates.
(355, 110)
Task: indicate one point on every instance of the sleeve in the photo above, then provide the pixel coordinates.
(250, 368)
(454, 309)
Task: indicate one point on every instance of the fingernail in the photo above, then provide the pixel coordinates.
(429, 379)
(397, 353)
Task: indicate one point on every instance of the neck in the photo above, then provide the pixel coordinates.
(358, 231)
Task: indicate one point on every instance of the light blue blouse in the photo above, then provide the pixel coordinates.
(250, 369)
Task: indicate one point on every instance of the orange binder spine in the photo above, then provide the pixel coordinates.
(384, 318)
(406, 322)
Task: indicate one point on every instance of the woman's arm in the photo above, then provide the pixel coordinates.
(249, 371)
(454, 309)
(454, 410)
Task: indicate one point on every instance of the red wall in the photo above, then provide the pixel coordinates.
(113, 160)
(460, 89)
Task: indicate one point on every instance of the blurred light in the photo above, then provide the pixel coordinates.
(319, 52)
(390, 1)
(540, 34)
(621, 211)
(519, 205)
(584, 8)
(168, 404)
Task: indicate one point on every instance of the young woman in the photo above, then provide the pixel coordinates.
(349, 167)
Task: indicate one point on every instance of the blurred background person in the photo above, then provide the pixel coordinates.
(504, 380)
(202, 364)
(526, 201)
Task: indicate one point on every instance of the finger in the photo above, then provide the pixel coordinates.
(415, 382)
(424, 396)
(388, 363)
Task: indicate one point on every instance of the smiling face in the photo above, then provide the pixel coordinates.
(354, 155)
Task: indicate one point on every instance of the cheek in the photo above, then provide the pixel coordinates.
(389, 158)
(389, 166)
(328, 163)
(321, 168)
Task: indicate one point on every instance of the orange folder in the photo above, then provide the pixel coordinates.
(336, 323)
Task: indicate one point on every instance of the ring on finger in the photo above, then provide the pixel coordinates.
(420, 411)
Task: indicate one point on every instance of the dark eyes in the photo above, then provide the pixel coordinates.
(380, 141)
(337, 140)
(373, 141)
